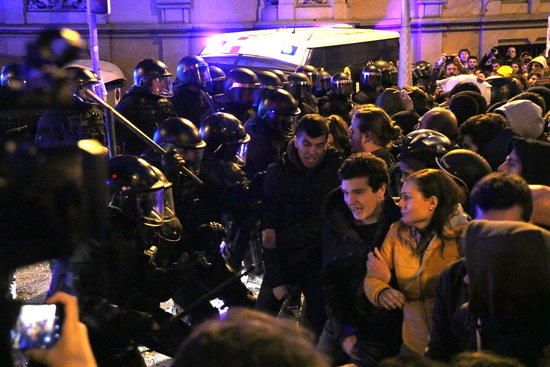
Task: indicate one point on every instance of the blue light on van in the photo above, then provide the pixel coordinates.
(289, 50)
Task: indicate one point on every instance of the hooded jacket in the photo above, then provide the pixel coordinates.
(416, 277)
(344, 259)
(524, 117)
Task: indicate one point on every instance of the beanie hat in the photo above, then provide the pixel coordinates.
(464, 106)
(524, 117)
(541, 60)
(394, 100)
(406, 120)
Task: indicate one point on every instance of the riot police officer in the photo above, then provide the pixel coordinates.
(239, 88)
(268, 81)
(215, 87)
(339, 100)
(190, 99)
(83, 121)
(371, 84)
(146, 103)
(300, 87)
(270, 130)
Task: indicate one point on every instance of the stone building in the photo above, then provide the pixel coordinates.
(171, 29)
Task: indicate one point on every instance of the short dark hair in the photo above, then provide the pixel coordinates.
(544, 92)
(249, 338)
(482, 128)
(472, 57)
(378, 123)
(366, 165)
(464, 49)
(314, 125)
(500, 190)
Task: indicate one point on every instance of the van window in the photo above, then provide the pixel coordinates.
(356, 54)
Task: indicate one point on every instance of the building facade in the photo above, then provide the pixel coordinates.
(171, 29)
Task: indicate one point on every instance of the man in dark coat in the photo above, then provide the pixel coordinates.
(294, 189)
(357, 218)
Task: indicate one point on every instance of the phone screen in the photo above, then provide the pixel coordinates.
(38, 326)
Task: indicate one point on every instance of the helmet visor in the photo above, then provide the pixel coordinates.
(192, 158)
(342, 87)
(162, 86)
(79, 92)
(197, 74)
(150, 207)
(242, 150)
(169, 207)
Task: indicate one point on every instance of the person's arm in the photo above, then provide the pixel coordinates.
(73, 348)
(379, 291)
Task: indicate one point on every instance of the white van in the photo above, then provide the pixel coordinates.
(333, 48)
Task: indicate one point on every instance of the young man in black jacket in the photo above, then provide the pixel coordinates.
(294, 189)
(357, 216)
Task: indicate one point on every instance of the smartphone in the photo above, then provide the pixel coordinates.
(37, 326)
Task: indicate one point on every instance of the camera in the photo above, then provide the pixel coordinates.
(494, 51)
(37, 326)
(449, 59)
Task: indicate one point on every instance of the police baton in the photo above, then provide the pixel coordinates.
(209, 295)
(147, 140)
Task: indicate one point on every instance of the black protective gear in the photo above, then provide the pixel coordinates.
(217, 77)
(392, 75)
(82, 78)
(268, 81)
(321, 86)
(465, 166)
(299, 85)
(193, 70)
(280, 110)
(148, 70)
(138, 190)
(224, 135)
(310, 71)
(420, 148)
(211, 235)
(13, 76)
(385, 70)
(421, 70)
(239, 86)
(371, 77)
(282, 76)
(341, 84)
(178, 133)
(502, 89)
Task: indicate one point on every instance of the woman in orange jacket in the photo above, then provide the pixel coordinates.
(417, 249)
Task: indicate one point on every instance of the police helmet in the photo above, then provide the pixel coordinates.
(153, 76)
(193, 70)
(299, 85)
(341, 84)
(371, 76)
(240, 84)
(282, 76)
(217, 78)
(139, 190)
(82, 78)
(322, 84)
(310, 71)
(280, 110)
(268, 81)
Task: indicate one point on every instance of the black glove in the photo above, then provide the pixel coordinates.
(173, 165)
(211, 234)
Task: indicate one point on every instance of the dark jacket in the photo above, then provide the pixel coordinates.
(344, 268)
(65, 127)
(293, 196)
(453, 329)
(146, 111)
(192, 103)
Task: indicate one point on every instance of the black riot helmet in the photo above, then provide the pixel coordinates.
(420, 148)
(371, 77)
(282, 76)
(465, 166)
(392, 75)
(182, 136)
(224, 135)
(239, 86)
(299, 85)
(82, 78)
(280, 110)
(153, 76)
(321, 87)
(341, 84)
(139, 190)
(13, 76)
(384, 68)
(310, 71)
(193, 70)
(217, 77)
(268, 81)
(421, 69)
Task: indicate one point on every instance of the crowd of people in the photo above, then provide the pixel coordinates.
(408, 225)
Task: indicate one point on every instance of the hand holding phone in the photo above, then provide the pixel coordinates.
(38, 326)
(73, 347)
